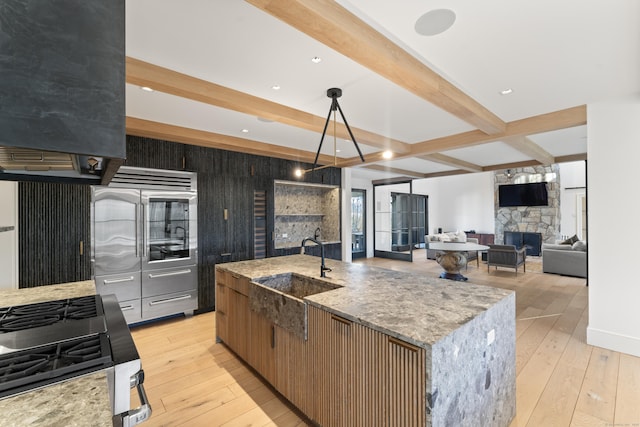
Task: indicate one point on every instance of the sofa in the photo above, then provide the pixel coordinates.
(566, 259)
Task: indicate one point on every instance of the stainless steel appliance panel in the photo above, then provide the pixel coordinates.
(165, 281)
(125, 285)
(116, 230)
(170, 229)
(165, 305)
(145, 240)
(132, 310)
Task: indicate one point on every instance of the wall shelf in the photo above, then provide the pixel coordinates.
(322, 210)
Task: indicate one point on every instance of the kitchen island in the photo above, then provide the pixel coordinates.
(78, 402)
(383, 348)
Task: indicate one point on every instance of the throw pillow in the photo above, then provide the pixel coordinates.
(570, 241)
(579, 246)
(461, 237)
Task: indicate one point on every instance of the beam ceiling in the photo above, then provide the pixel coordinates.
(336, 27)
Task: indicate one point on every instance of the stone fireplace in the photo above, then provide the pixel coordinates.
(534, 219)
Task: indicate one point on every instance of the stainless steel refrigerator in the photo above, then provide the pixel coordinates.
(144, 250)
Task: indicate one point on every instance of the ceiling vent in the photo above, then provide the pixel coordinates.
(154, 179)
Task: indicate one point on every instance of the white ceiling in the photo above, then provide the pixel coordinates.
(554, 55)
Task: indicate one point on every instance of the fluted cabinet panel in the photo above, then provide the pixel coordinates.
(55, 218)
(227, 180)
(54, 233)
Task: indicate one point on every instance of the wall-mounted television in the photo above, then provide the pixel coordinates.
(531, 194)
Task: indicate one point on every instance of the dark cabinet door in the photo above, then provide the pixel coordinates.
(54, 233)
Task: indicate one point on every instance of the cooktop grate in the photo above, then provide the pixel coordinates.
(47, 313)
(53, 362)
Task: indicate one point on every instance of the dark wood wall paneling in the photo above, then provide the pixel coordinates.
(54, 218)
(53, 221)
(226, 180)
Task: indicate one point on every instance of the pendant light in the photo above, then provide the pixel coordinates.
(334, 94)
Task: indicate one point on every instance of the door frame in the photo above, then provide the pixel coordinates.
(363, 253)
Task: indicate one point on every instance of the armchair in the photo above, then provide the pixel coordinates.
(507, 256)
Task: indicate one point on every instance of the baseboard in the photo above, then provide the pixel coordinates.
(613, 341)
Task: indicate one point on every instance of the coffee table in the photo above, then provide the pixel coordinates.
(452, 257)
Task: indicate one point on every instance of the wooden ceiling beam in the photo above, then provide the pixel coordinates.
(529, 148)
(451, 161)
(570, 117)
(446, 173)
(336, 27)
(571, 158)
(163, 131)
(402, 172)
(172, 82)
(513, 165)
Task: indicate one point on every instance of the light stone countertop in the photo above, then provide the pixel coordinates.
(10, 297)
(417, 308)
(78, 402)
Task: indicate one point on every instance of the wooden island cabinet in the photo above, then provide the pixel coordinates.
(364, 368)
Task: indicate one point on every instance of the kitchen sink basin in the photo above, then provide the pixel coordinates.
(296, 285)
(280, 299)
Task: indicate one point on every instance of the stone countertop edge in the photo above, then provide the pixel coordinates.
(80, 401)
(417, 308)
(10, 297)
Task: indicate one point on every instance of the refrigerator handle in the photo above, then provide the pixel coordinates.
(144, 231)
(137, 231)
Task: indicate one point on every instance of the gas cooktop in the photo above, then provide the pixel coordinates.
(45, 343)
(51, 341)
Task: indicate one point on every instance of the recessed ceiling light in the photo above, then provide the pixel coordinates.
(316, 60)
(435, 22)
(275, 87)
(387, 154)
(245, 130)
(506, 91)
(146, 88)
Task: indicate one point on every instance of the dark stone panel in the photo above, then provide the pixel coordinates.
(53, 219)
(62, 76)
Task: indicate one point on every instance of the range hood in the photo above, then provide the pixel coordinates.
(25, 164)
(62, 84)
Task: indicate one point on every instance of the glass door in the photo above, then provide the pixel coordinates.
(392, 221)
(169, 224)
(400, 220)
(418, 220)
(358, 224)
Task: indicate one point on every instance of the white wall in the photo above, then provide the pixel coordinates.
(460, 202)
(346, 215)
(572, 182)
(614, 292)
(9, 239)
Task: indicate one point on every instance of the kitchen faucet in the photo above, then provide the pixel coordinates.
(323, 268)
(316, 234)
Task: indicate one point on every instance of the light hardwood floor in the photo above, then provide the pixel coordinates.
(561, 381)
